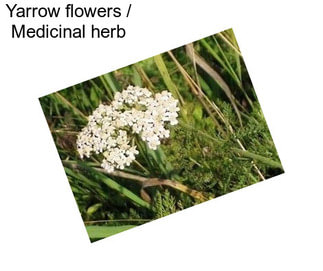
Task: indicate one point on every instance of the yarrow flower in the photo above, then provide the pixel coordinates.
(133, 111)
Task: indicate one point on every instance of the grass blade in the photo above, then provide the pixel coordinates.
(111, 82)
(65, 101)
(98, 232)
(218, 79)
(100, 177)
(259, 158)
(166, 77)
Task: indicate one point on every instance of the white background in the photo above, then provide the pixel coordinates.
(273, 225)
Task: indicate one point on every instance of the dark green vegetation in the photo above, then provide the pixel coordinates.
(221, 143)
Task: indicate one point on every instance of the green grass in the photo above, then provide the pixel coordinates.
(221, 144)
(98, 232)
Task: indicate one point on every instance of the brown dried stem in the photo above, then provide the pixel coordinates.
(147, 182)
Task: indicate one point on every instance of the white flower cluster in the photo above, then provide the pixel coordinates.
(133, 111)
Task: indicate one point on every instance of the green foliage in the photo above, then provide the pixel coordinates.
(221, 144)
(98, 232)
(164, 204)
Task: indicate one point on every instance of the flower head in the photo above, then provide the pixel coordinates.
(133, 111)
